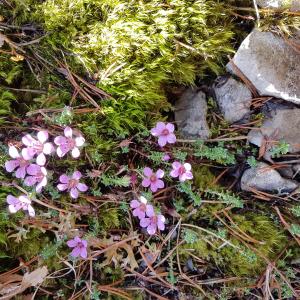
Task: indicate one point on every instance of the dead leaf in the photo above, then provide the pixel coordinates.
(17, 58)
(29, 279)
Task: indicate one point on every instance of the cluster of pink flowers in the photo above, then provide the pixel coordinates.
(153, 179)
(29, 165)
(148, 218)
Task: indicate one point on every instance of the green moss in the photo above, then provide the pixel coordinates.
(203, 177)
(242, 261)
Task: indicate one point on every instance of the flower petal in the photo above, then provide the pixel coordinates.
(30, 180)
(150, 210)
(146, 182)
(31, 211)
(64, 178)
(28, 140)
(82, 187)
(77, 175)
(60, 140)
(74, 193)
(72, 243)
(43, 136)
(170, 127)
(62, 186)
(83, 252)
(33, 169)
(148, 172)
(41, 159)
(76, 252)
(28, 153)
(79, 141)
(143, 200)
(24, 199)
(151, 229)
(187, 167)
(138, 213)
(68, 132)
(48, 148)
(21, 172)
(171, 138)
(75, 152)
(174, 173)
(160, 184)
(60, 153)
(160, 173)
(12, 200)
(162, 140)
(11, 165)
(134, 203)
(176, 165)
(14, 208)
(153, 187)
(13, 152)
(145, 222)
(160, 126)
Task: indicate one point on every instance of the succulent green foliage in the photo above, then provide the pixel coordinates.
(281, 148)
(186, 188)
(227, 197)
(219, 153)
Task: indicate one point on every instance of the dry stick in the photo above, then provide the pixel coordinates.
(238, 138)
(242, 235)
(244, 78)
(198, 287)
(155, 273)
(286, 225)
(134, 273)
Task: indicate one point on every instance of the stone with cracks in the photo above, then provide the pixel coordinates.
(190, 115)
(264, 178)
(234, 99)
(270, 64)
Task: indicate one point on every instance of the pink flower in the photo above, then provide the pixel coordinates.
(166, 157)
(68, 143)
(72, 184)
(153, 223)
(141, 208)
(152, 179)
(165, 133)
(37, 147)
(22, 202)
(80, 247)
(183, 171)
(19, 162)
(38, 176)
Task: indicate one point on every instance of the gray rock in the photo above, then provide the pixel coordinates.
(190, 115)
(274, 3)
(234, 99)
(270, 64)
(282, 125)
(265, 178)
(295, 5)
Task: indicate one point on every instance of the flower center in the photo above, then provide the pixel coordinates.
(165, 132)
(22, 162)
(80, 245)
(181, 170)
(38, 147)
(73, 183)
(143, 207)
(153, 178)
(70, 143)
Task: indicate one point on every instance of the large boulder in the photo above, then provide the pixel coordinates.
(234, 99)
(281, 125)
(264, 178)
(270, 64)
(190, 115)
